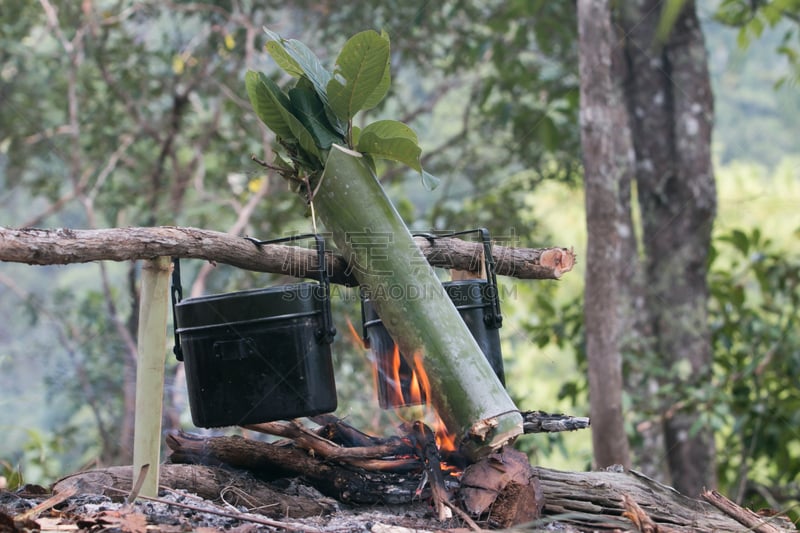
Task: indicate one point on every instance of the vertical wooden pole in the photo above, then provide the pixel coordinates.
(152, 342)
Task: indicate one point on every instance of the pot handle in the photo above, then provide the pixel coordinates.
(176, 292)
(493, 318)
(326, 333)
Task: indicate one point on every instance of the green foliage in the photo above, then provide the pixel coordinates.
(13, 475)
(560, 325)
(40, 458)
(755, 308)
(390, 139)
(308, 120)
(269, 103)
(752, 18)
(361, 71)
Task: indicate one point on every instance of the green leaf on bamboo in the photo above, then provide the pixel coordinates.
(383, 87)
(267, 100)
(298, 60)
(274, 108)
(390, 139)
(309, 109)
(283, 59)
(359, 75)
(300, 133)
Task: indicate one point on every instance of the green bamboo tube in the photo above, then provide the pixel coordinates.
(152, 343)
(412, 304)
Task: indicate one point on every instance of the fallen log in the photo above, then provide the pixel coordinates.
(63, 246)
(589, 501)
(238, 488)
(594, 500)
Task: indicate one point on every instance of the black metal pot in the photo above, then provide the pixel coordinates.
(478, 304)
(259, 355)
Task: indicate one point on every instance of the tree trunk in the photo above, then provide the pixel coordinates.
(606, 157)
(671, 109)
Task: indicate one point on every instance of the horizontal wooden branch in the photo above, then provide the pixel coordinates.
(746, 517)
(64, 246)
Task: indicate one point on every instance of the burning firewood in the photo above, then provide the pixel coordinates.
(424, 446)
(356, 467)
(345, 482)
(386, 454)
(500, 490)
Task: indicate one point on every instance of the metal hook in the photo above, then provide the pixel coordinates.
(327, 331)
(493, 319)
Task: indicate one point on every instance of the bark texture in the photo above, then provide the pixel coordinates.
(670, 103)
(588, 501)
(607, 166)
(63, 246)
(210, 482)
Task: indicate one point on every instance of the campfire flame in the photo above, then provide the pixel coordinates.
(401, 385)
(445, 440)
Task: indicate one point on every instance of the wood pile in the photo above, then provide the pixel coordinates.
(310, 479)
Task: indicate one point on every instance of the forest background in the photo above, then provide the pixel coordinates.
(117, 114)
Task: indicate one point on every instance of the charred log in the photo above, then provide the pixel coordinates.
(346, 483)
(541, 422)
(505, 490)
(424, 446)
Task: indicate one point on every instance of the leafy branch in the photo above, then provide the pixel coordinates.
(317, 112)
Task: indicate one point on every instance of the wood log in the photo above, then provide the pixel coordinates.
(345, 483)
(64, 246)
(594, 500)
(541, 422)
(588, 500)
(424, 446)
(238, 488)
(337, 430)
(756, 522)
(370, 457)
(504, 483)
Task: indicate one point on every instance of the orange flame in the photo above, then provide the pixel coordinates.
(401, 385)
(356, 337)
(445, 440)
